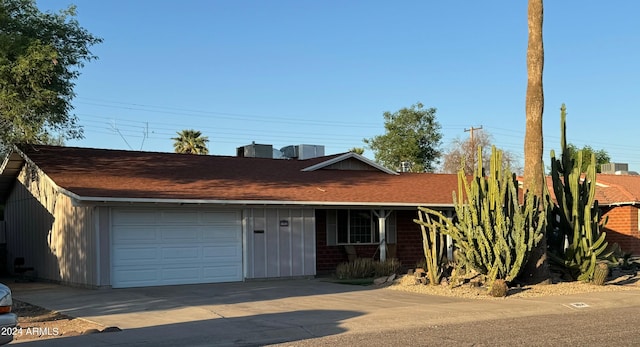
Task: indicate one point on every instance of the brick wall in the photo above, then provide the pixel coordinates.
(408, 250)
(409, 238)
(327, 257)
(622, 228)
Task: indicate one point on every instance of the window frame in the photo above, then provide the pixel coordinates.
(336, 224)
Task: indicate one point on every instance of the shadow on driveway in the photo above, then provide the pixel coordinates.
(193, 302)
(242, 331)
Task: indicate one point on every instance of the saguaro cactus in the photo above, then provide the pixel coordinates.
(493, 231)
(576, 215)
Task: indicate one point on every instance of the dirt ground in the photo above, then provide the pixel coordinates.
(35, 322)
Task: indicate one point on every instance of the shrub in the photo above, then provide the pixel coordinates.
(367, 268)
(358, 268)
(387, 267)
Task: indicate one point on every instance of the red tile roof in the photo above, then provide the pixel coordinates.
(116, 174)
(612, 189)
(618, 189)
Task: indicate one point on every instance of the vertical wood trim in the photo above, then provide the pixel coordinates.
(308, 216)
(104, 234)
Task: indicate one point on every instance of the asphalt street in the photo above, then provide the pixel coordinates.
(605, 327)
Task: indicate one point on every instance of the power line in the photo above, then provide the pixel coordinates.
(132, 128)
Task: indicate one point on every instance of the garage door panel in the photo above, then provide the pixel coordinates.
(221, 239)
(175, 247)
(227, 271)
(187, 274)
(220, 251)
(137, 275)
(128, 235)
(181, 253)
(135, 255)
(178, 217)
(184, 234)
(221, 216)
(134, 217)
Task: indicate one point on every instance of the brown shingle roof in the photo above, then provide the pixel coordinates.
(109, 174)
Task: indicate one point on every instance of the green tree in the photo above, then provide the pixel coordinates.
(412, 135)
(357, 150)
(537, 269)
(40, 57)
(190, 142)
(602, 157)
(462, 155)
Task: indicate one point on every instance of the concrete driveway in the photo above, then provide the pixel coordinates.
(268, 312)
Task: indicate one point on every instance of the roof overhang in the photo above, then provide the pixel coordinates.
(9, 171)
(622, 203)
(84, 200)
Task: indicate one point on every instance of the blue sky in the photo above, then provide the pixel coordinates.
(324, 72)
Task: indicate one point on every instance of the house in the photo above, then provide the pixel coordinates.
(618, 196)
(112, 218)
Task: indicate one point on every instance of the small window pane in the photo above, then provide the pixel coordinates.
(360, 223)
(343, 226)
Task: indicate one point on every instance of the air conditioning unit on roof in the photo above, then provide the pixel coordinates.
(255, 150)
(614, 168)
(303, 151)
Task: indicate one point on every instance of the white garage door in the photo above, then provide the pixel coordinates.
(175, 246)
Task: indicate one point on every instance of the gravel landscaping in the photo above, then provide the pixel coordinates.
(625, 281)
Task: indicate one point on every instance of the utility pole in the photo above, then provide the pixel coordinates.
(473, 145)
(471, 130)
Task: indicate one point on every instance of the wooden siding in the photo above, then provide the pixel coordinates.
(279, 242)
(351, 164)
(55, 237)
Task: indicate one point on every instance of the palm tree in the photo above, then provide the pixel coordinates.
(537, 268)
(190, 141)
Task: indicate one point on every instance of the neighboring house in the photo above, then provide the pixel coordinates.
(100, 218)
(619, 200)
(618, 196)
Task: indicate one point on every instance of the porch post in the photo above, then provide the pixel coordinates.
(382, 230)
(449, 239)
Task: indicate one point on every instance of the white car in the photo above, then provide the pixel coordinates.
(8, 320)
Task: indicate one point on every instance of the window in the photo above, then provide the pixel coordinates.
(357, 227)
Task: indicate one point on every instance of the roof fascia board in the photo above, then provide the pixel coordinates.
(348, 156)
(8, 159)
(84, 199)
(618, 204)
